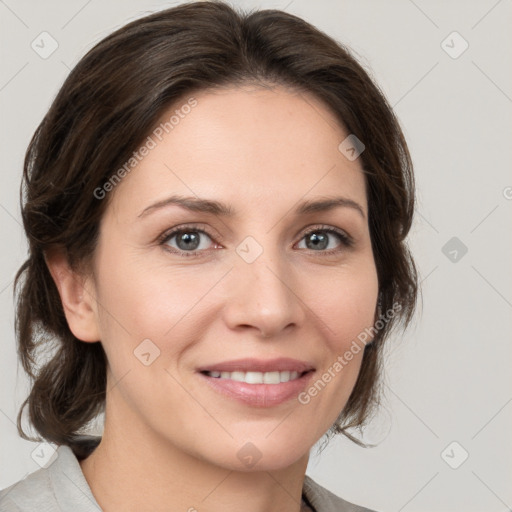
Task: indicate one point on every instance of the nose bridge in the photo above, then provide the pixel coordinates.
(262, 293)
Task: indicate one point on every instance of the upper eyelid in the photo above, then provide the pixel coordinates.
(187, 227)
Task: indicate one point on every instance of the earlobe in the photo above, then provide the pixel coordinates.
(78, 300)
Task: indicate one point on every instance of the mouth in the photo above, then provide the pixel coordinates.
(258, 383)
(251, 377)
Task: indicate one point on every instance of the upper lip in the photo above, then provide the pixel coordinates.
(259, 365)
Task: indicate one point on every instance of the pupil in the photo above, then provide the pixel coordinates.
(315, 241)
(191, 241)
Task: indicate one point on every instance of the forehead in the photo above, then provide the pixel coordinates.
(247, 146)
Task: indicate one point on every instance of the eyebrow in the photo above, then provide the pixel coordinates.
(220, 209)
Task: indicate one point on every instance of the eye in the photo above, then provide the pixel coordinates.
(187, 241)
(194, 241)
(320, 239)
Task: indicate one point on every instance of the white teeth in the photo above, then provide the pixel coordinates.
(254, 377)
(271, 378)
(285, 376)
(238, 376)
(257, 377)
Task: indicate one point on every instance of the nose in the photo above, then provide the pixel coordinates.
(264, 297)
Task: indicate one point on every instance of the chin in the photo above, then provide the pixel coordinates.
(260, 454)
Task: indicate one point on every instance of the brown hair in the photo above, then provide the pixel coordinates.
(105, 109)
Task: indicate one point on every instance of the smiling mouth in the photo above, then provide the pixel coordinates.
(274, 377)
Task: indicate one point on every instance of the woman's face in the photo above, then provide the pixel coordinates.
(270, 280)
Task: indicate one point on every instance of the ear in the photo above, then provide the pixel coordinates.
(77, 295)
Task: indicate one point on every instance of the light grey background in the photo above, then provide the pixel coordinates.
(448, 378)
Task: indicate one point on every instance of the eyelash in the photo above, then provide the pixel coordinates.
(165, 237)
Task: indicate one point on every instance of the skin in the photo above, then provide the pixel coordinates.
(170, 442)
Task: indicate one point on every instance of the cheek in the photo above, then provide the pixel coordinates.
(143, 298)
(346, 302)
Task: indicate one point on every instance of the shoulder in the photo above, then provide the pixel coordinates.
(324, 500)
(27, 494)
(60, 486)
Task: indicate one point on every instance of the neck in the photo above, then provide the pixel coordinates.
(134, 469)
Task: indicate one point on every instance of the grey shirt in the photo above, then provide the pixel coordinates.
(62, 487)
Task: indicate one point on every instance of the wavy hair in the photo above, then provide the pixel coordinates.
(104, 110)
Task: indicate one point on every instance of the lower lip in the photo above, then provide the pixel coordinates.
(259, 395)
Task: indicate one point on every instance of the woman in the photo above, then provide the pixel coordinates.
(216, 205)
